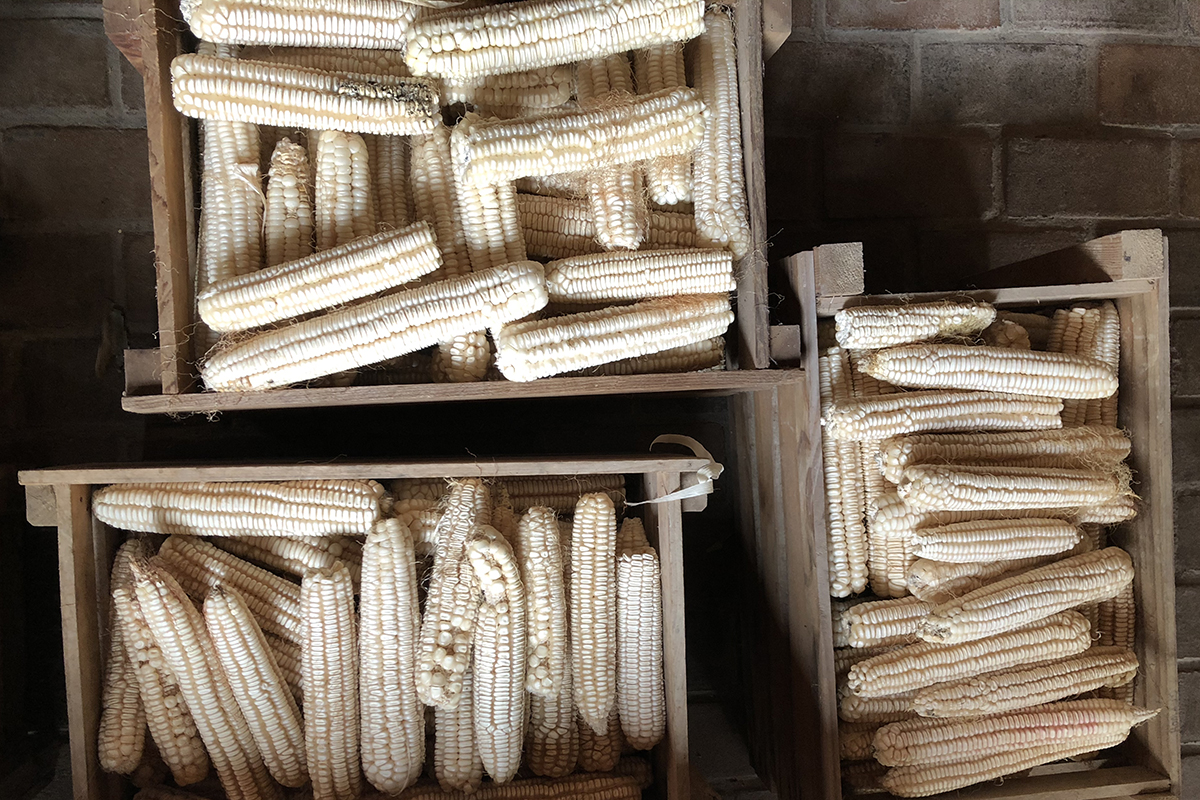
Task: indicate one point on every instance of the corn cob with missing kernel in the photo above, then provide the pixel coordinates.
(614, 277)
(872, 327)
(514, 93)
(288, 210)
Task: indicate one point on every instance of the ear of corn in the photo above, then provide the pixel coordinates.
(388, 158)
(846, 535)
(457, 765)
(512, 93)
(967, 488)
(539, 552)
(597, 78)
(668, 179)
(435, 200)
(614, 277)
(491, 224)
(463, 359)
(939, 410)
(599, 752)
(292, 555)
(875, 710)
(287, 657)
(641, 696)
(562, 227)
(344, 206)
(593, 611)
(995, 540)
(619, 214)
(589, 786)
(854, 740)
(1006, 333)
(885, 621)
(122, 734)
(288, 226)
(333, 59)
(708, 355)
(872, 327)
(370, 24)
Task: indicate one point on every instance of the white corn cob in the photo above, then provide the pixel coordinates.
(390, 326)
(456, 761)
(846, 535)
(499, 657)
(333, 59)
(330, 665)
(1072, 448)
(593, 611)
(995, 540)
(444, 650)
(1104, 412)
(599, 752)
(846, 657)
(561, 227)
(561, 493)
(1116, 623)
(1032, 685)
(929, 487)
(625, 130)
(885, 621)
(854, 740)
(393, 718)
(1036, 326)
(940, 581)
(720, 189)
(301, 508)
(288, 226)
(874, 710)
(565, 186)
(344, 207)
(491, 224)
(540, 33)
(584, 786)
(536, 349)
(872, 327)
(705, 356)
(939, 410)
(292, 555)
(463, 359)
(122, 734)
(287, 657)
(641, 698)
(538, 549)
(614, 277)
(350, 271)
(996, 369)
(1030, 596)
(597, 78)
(388, 157)
(187, 651)
(511, 93)
(1006, 333)
(426, 489)
(668, 179)
(370, 24)
(262, 93)
(258, 686)
(435, 200)
(618, 202)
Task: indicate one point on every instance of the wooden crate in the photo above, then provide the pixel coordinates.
(164, 379)
(62, 498)
(1129, 268)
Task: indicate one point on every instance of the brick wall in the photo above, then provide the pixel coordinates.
(951, 136)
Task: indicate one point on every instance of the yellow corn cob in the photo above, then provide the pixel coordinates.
(330, 665)
(613, 277)
(540, 33)
(719, 190)
(924, 664)
(122, 736)
(939, 410)
(625, 130)
(499, 657)
(513, 92)
(333, 59)
(302, 508)
(600, 752)
(287, 658)
(262, 93)
(885, 621)
(456, 761)
(491, 224)
(705, 356)
(1032, 685)
(1033, 595)
(388, 157)
(874, 710)
(393, 719)
(1006, 333)
(618, 202)
(872, 327)
(379, 329)
(593, 612)
(198, 566)
(257, 685)
(965, 488)
(641, 698)
(995, 540)
(371, 24)
(344, 207)
(536, 349)
(584, 786)
(288, 226)
(349, 271)
(846, 534)
(668, 179)
(1072, 448)
(854, 740)
(288, 554)
(435, 200)
(997, 369)
(539, 552)
(187, 651)
(443, 654)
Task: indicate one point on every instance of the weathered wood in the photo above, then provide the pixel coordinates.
(777, 25)
(786, 348)
(41, 507)
(1012, 297)
(1126, 254)
(839, 269)
(123, 29)
(143, 371)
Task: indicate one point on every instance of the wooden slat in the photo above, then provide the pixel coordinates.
(1016, 296)
(1122, 255)
(710, 382)
(122, 28)
(777, 25)
(1116, 783)
(839, 270)
(41, 507)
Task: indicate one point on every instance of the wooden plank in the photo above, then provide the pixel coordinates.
(122, 28)
(1122, 255)
(839, 269)
(777, 25)
(1015, 296)
(724, 382)
(143, 371)
(692, 504)
(785, 345)
(664, 526)
(1117, 782)
(753, 336)
(41, 508)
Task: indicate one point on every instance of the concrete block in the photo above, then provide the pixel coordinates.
(791, 167)
(1185, 356)
(802, 14)
(132, 93)
(1011, 84)
(1189, 708)
(1183, 247)
(883, 175)
(1191, 776)
(835, 82)
(74, 173)
(913, 14)
(1087, 177)
(1185, 447)
(1187, 624)
(61, 281)
(1150, 84)
(1187, 537)
(1126, 14)
(53, 62)
(1189, 177)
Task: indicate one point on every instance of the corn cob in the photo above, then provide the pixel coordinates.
(669, 178)
(552, 735)
(393, 719)
(600, 752)
(560, 493)
(262, 93)
(1032, 685)
(924, 664)
(258, 687)
(538, 549)
(492, 151)
(846, 535)
(593, 607)
(303, 508)
(841, 625)
(720, 189)
(874, 710)
(122, 736)
(491, 224)
(846, 657)
(995, 540)
(435, 200)
(939, 410)
(862, 777)
(706, 356)
(584, 786)
(596, 79)
(1117, 619)
(463, 359)
(380, 329)
(873, 327)
(187, 651)
(612, 277)
(456, 761)
(940, 581)
(618, 202)
(854, 740)
(1072, 448)
(530, 350)
(468, 44)
(997, 369)
(330, 666)
(499, 657)
(443, 654)
(641, 698)
(561, 227)
(429, 489)
(1104, 411)
(344, 207)
(388, 157)
(885, 621)
(564, 185)
(349, 271)
(1006, 333)
(287, 657)
(369, 24)
(156, 792)
(514, 92)
(288, 554)
(332, 59)
(198, 566)
(288, 212)
(966, 488)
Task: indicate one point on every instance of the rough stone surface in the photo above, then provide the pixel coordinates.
(1188, 624)
(1187, 537)
(1189, 177)
(835, 83)
(53, 62)
(132, 95)
(1189, 707)
(1185, 447)
(949, 258)
(1184, 247)
(913, 14)
(1148, 84)
(1191, 776)
(1185, 352)
(1125, 14)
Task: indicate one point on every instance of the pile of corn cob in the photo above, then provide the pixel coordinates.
(236, 640)
(387, 238)
(971, 465)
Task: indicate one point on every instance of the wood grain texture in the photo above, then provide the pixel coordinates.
(123, 29)
(41, 506)
(753, 336)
